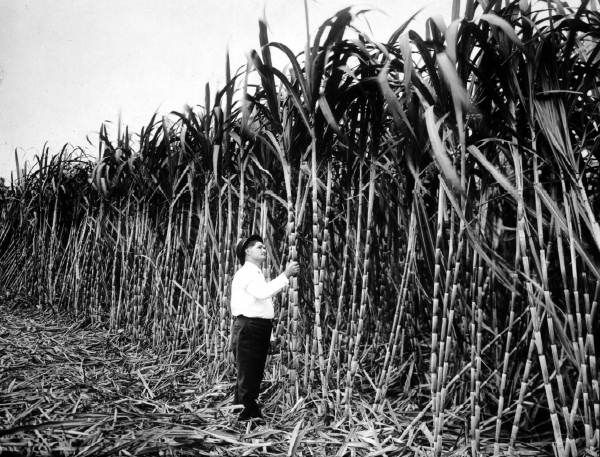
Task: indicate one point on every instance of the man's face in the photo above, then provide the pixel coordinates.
(256, 252)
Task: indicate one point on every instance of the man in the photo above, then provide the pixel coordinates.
(252, 307)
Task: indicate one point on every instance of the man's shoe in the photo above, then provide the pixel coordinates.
(251, 411)
(245, 415)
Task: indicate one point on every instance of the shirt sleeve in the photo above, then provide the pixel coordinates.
(261, 289)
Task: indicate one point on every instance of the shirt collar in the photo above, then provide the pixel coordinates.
(252, 266)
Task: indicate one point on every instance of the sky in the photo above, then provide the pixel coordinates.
(66, 66)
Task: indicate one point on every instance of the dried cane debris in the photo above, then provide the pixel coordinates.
(73, 390)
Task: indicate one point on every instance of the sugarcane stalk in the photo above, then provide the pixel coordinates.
(537, 338)
(334, 343)
(397, 324)
(317, 289)
(354, 362)
(356, 268)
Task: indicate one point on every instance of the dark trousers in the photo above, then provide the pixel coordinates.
(250, 343)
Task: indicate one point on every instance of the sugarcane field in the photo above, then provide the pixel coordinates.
(361, 245)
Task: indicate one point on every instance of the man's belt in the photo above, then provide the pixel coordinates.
(253, 319)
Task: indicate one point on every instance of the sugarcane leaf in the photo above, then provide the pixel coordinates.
(260, 166)
(263, 37)
(562, 224)
(439, 22)
(451, 39)
(295, 97)
(455, 9)
(400, 30)
(501, 23)
(394, 104)
(268, 81)
(338, 25)
(439, 152)
(498, 176)
(428, 60)
(559, 6)
(271, 142)
(457, 87)
(405, 48)
(245, 101)
(276, 197)
(298, 73)
(497, 264)
(328, 115)
(295, 439)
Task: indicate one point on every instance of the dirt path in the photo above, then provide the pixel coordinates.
(72, 389)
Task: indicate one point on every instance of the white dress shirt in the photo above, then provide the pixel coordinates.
(251, 293)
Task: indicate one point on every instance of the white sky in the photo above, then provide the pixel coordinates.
(68, 65)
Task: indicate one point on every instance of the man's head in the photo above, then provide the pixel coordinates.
(251, 249)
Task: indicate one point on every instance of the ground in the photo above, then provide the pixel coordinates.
(72, 388)
(68, 387)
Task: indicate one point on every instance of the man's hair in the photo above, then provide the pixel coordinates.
(252, 242)
(245, 243)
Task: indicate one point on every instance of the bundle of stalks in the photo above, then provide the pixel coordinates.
(440, 194)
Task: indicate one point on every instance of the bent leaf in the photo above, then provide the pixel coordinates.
(496, 20)
(459, 93)
(439, 153)
(498, 176)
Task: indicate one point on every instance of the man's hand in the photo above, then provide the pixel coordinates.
(292, 269)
